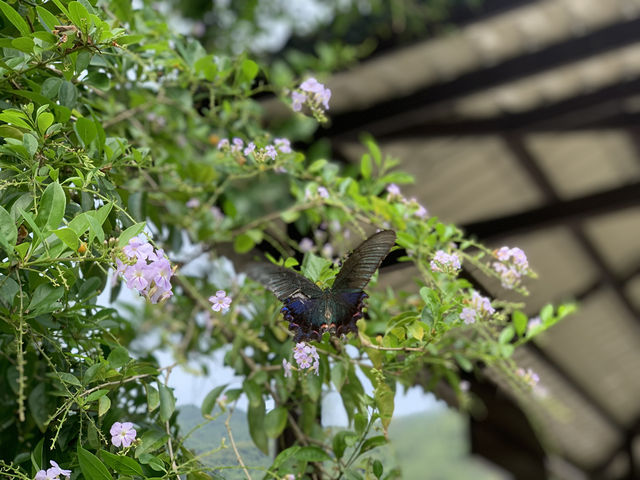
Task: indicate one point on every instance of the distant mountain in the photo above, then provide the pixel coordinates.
(427, 446)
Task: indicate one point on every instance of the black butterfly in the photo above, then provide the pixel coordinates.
(312, 311)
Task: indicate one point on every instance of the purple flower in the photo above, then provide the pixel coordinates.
(481, 304)
(151, 273)
(312, 85)
(445, 262)
(468, 315)
(323, 192)
(533, 324)
(393, 190)
(421, 212)
(223, 144)
(282, 144)
(122, 434)
(465, 385)
(237, 145)
(138, 248)
(250, 148)
(54, 465)
(52, 473)
(193, 203)
(218, 216)
(529, 376)
(271, 152)
(327, 250)
(306, 245)
(287, 368)
(306, 356)
(220, 302)
(298, 99)
(512, 265)
(137, 275)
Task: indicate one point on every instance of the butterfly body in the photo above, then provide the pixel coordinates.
(310, 310)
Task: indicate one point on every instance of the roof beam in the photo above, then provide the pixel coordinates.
(558, 212)
(576, 48)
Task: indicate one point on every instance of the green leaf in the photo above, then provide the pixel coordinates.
(546, 314)
(118, 357)
(150, 441)
(103, 405)
(255, 417)
(38, 406)
(312, 454)
(210, 400)
(52, 207)
(243, 243)
(86, 130)
(69, 378)
(51, 87)
(91, 466)
(8, 290)
(249, 70)
(93, 396)
(167, 402)
(15, 18)
(342, 440)
(43, 298)
(519, 322)
(8, 231)
(68, 95)
(153, 398)
(30, 144)
(121, 464)
(78, 14)
(285, 455)
(47, 19)
(378, 469)
(385, 401)
(129, 233)
(365, 166)
(338, 375)
(506, 335)
(275, 421)
(36, 455)
(373, 442)
(69, 237)
(24, 44)
(45, 120)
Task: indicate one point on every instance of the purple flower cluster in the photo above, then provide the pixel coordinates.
(394, 193)
(445, 262)
(220, 302)
(306, 357)
(479, 307)
(314, 95)
(122, 434)
(529, 376)
(237, 147)
(533, 324)
(146, 270)
(512, 266)
(286, 365)
(52, 473)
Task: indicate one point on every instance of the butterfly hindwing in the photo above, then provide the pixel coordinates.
(364, 261)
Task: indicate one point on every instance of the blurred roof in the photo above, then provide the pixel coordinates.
(523, 128)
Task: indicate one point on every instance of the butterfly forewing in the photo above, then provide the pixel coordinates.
(364, 261)
(283, 282)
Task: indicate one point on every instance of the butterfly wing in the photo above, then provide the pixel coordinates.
(363, 262)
